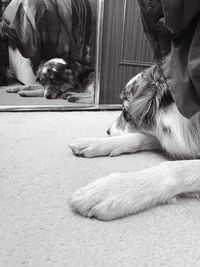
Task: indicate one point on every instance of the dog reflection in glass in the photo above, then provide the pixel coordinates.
(71, 80)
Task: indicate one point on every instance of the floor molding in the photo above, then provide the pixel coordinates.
(39, 108)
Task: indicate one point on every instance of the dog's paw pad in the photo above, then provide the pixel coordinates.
(72, 98)
(85, 147)
(22, 93)
(78, 146)
(101, 199)
(66, 95)
(94, 147)
(13, 90)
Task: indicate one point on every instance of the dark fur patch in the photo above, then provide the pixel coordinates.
(166, 99)
(166, 130)
(129, 91)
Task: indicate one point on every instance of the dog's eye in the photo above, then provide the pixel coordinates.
(51, 73)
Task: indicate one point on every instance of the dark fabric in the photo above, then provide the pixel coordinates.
(173, 30)
(80, 21)
(3, 61)
(3, 47)
(44, 29)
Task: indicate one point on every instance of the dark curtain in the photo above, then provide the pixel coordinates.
(3, 47)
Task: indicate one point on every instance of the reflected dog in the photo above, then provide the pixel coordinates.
(149, 120)
(69, 80)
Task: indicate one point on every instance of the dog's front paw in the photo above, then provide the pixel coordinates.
(88, 147)
(71, 98)
(102, 199)
(13, 89)
(65, 95)
(114, 196)
(23, 93)
(96, 147)
(123, 194)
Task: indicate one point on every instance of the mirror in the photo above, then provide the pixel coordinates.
(49, 53)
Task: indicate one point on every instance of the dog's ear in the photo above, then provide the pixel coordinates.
(37, 76)
(66, 73)
(68, 77)
(39, 72)
(144, 106)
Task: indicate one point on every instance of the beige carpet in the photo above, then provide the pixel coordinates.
(39, 173)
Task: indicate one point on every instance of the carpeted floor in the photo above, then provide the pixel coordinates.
(39, 173)
(14, 99)
(8, 99)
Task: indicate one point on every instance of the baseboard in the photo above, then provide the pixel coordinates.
(54, 108)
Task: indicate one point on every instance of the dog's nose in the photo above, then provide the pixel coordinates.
(108, 131)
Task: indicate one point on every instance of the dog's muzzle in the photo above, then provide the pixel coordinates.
(51, 92)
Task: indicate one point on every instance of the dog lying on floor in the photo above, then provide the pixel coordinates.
(150, 120)
(57, 78)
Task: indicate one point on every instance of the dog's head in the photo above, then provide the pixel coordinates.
(141, 98)
(52, 75)
(55, 73)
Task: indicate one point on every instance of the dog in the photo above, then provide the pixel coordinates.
(150, 120)
(72, 80)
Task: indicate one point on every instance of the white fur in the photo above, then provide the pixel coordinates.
(116, 131)
(113, 146)
(122, 194)
(56, 60)
(184, 139)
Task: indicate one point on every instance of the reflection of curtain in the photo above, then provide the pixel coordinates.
(50, 28)
(3, 5)
(81, 28)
